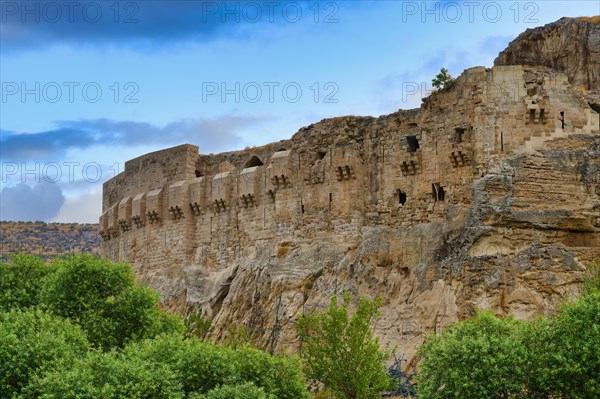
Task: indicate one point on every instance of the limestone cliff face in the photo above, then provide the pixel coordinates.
(569, 45)
(487, 197)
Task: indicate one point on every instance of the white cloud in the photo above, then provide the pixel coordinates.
(85, 208)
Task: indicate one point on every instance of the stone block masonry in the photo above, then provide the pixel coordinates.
(486, 197)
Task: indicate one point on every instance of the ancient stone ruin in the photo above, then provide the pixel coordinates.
(487, 197)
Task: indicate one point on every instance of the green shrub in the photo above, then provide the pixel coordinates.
(342, 352)
(202, 366)
(278, 375)
(85, 283)
(21, 281)
(241, 391)
(489, 357)
(108, 376)
(33, 341)
(199, 365)
(565, 352)
(478, 358)
(196, 325)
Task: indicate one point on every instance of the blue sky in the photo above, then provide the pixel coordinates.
(87, 85)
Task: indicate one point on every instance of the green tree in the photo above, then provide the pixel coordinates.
(565, 352)
(21, 281)
(34, 341)
(341, 351)
(443, 80)
(478, 358)
(104, 299)
(490, 357)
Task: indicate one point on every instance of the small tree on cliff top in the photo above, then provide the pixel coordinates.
(443, 80)
(341, 351)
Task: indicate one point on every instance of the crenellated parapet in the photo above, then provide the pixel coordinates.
(486, 197)
(338, 175)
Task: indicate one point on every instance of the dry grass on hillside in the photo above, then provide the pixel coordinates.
(48, 239)
(594, 20)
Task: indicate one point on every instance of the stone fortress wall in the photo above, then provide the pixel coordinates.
(178, 207)
(487, 197)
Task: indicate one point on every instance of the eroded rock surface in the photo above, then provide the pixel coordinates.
(487, 197)
(569, 45)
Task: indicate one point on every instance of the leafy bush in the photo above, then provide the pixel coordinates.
(478, 358)
(202, 366)
(565, 352)
(488, 357)
(84, 283)
(21, 281)
(108, 376)
(342, 352)
(92, 302)
(199, 365)
(104, 299)
(241, 391)
(33, 341)
(196, 325)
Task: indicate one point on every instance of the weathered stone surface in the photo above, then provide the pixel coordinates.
(487, 197)
(569, 45)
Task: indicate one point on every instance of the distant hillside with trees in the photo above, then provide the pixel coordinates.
(48, 239)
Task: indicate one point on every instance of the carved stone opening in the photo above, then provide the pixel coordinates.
(138, 221)
(401, 197)
(176, 212)
(413, 143)
(153, 217)
(220, 205)
(195, 208)
(252, 162)
(562, 119)
(458, 135)
(437, 192)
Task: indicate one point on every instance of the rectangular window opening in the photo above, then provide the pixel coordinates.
(562, 119)
(413, 143)
(458, 135)
(437, 192)
(401, 197)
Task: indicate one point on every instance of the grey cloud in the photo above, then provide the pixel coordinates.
(25, 203)
(141, 25)
(211, 134)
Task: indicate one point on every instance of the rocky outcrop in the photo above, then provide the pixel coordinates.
(569, 45)
(487, 197)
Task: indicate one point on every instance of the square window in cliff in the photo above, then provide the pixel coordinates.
(413, 143)
(401, 197)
